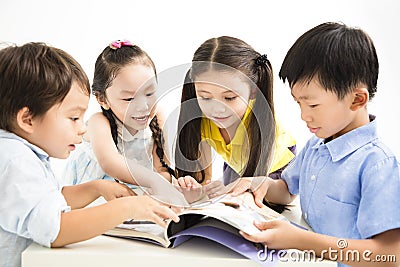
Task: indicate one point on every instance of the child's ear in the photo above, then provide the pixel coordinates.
(101, 99)
(360, 98)
(25, 120)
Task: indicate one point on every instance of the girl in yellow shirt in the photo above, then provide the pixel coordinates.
(227, 105)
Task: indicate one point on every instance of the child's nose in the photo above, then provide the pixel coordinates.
(218, 107)
(82, 130)
(305, 116)
(142, 106)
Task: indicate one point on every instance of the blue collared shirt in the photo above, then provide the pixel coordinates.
(30, 201)
(348, 187)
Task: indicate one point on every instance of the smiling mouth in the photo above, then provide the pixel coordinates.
(143, 118)
(220, 118)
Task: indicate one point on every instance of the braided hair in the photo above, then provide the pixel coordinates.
(159, 142)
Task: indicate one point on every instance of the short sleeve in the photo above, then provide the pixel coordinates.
(379, 205)
(291, 174)
(31, 200)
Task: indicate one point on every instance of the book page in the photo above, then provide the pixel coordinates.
(240, 212)
(140, 230)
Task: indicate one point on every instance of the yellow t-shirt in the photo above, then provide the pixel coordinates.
(235, 154)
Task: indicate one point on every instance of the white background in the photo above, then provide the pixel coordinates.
(170, 32)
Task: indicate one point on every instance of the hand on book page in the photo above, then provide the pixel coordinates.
(192, 194)
(193, 191)
(238, 211)
(159, 187)
(215, 189)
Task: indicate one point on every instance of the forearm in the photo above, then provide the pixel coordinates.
(352, 252)
(117, 168)
(78, 196)
(278, 192)
(83, 224)
(207, 175)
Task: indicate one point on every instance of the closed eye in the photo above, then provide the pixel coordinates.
(230, 98)
(128, 99)
(150, 94)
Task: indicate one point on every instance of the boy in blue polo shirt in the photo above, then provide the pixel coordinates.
(347, 179)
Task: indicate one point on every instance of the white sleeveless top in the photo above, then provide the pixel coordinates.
(82, 165)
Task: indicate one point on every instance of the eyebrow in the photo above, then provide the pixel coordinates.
(305, 97)
(227, 91)
(79, 108)
(126, 91)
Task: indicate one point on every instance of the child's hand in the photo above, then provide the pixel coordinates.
(111, 190)
(187, 182)
(146, 208)
(258, 185)
(190, 188)
(240, 186)
(276, 234)
(215, 188)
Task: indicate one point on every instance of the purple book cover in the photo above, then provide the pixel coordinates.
(235, 242)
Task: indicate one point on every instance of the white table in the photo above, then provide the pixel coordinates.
(103, 251)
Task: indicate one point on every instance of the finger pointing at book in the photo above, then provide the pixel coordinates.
(153, 211)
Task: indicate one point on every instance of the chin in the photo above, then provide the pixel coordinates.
(62, 156)
(140, 128)
(323, 136)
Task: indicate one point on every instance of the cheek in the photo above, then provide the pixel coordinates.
(239, 108)
(152, 102)
(153, 108)
(128, 108)
(115, 105)
(203, 106)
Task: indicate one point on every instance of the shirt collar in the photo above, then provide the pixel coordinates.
(126, 136)
(348, 143)
(37, 150)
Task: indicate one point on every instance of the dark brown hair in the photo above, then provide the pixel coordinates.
(233, 55)
(108, 64)
(36, 76)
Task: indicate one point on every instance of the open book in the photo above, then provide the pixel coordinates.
(217, 219)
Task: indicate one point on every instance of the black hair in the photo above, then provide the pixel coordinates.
(340, 57)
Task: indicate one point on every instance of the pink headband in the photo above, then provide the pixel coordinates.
(118, 44)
